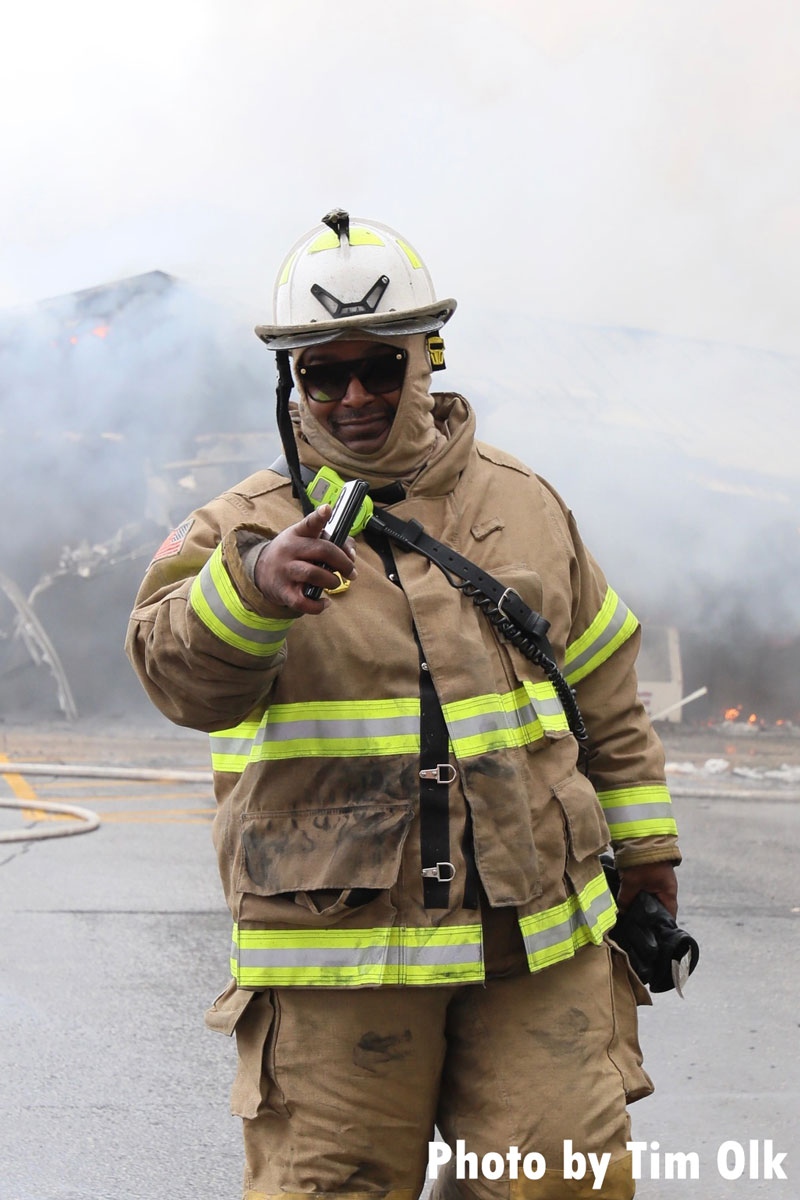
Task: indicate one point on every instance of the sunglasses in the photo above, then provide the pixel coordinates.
(327, 383)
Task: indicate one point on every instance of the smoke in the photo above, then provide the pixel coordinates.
(598, 163)
(567, 172)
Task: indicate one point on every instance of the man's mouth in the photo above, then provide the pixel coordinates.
(355, 428)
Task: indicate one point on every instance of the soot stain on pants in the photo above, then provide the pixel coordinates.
(561, 1037)
(375, 1050)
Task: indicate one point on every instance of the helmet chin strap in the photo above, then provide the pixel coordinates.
(286, 429)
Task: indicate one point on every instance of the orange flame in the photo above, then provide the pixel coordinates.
(732, 713)
(101, 331)
(752, 719)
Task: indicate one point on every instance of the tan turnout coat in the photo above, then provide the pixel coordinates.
(314, 727)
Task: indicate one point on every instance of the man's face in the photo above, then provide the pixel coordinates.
(362, 417)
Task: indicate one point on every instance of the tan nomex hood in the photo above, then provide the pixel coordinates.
(423, 426)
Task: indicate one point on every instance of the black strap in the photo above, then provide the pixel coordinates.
(434, 793)
(411, 535)
(289, 460)
(507, 611)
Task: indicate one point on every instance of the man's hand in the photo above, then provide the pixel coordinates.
(657, 878)
(290, 562)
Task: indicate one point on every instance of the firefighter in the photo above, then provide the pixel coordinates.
(407, 841)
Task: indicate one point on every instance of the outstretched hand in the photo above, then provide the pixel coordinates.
(297, 557)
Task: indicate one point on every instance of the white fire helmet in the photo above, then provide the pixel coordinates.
(348, 275)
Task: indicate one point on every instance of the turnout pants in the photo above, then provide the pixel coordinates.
(340, 1089)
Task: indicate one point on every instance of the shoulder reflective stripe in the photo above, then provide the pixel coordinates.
(356, 957)
(217, 604)
(409, 253)
(558, 932)
(638, 811)
(612, 626)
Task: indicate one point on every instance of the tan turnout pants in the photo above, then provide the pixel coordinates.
(340, 1089)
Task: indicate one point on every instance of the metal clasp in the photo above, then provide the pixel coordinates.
(436, 773)
(502, 601)
(344, 584)
(436, 872)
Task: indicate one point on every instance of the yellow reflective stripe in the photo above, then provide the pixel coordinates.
(377, 975)
(357, 957)
(216, 602)
(557, 932)
(638, 811)
(326, 241)
(514, 719)
(359, 236)
(287, 268)
(336, 747)
(410, 254)
(612, 626)
(343, 710)
(352, 728)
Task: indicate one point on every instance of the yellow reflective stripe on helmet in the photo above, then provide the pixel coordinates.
(326, 241)
(287, 268)
(216, 602)
(357, 957)
(638, 811)
(612, 626)
(410, 254)
(557, 932)
(359, 236)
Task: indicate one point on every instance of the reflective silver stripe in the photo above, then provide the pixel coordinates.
(351, 956)
(363, 727)
(637, 812)
(490, 722)
(500, 718)
(545, 938)
(620, 616)
(250, 633)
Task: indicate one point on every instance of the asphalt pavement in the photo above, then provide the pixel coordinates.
(114, 942)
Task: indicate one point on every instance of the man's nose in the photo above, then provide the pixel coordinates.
(356, 395)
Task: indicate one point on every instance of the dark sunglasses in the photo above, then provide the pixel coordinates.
(378, 374)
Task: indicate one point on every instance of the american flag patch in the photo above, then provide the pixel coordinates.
(173, 543)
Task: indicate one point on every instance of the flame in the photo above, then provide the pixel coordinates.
(732, 713)
(752, 719)
(101, 331)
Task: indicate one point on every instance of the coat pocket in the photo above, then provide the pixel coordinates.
(587, 831)
(254, 1017)
(323, 850)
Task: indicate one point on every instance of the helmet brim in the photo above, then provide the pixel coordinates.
(388, 324)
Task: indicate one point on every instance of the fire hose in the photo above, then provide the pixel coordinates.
(86, 820)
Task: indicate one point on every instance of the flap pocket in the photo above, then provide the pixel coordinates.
(586, 826)
(353, 846)
(228, 1007)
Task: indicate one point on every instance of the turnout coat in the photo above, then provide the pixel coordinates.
(377, 765)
